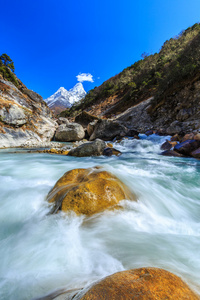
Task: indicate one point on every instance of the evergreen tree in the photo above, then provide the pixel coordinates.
(7, 61)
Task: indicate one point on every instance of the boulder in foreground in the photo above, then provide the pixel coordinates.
(88, 191)
(140, 284)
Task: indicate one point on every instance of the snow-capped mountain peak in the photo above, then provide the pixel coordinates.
(77, 89)
(65, 99)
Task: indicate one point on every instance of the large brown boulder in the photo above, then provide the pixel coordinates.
(107, 130)
(140, 284)
(88, 191)
(69, 132)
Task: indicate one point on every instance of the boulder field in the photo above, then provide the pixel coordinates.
(88, 191)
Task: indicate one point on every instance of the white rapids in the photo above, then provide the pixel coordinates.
(40, 253)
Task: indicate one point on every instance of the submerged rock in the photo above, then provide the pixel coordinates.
(94, 148)
(88, 191)
(69, 132)
(140, 284)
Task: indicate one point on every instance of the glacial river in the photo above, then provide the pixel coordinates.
(40, 253)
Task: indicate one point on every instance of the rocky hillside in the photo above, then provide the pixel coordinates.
(159, 91)
(25, 119)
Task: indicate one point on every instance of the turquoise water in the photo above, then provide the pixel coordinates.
(40, 253)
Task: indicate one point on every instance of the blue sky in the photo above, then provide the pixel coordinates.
(51, 42)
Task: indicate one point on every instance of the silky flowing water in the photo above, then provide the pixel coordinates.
(40, 253)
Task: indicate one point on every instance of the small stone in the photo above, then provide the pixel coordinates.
(109, 145)
(111, 151)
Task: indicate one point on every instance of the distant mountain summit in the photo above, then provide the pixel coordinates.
(63, 99)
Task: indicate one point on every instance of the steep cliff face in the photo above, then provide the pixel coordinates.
(25, 118)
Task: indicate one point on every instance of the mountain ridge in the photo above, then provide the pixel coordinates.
(63, 98)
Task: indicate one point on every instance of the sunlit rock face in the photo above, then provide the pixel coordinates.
(25, 119)
(88, 191)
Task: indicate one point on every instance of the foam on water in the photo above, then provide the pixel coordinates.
(40, 253)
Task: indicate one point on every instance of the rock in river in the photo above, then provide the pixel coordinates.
(88, 191)
(187, 147)
(94, 148)
(140, 284)
(111, 151)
